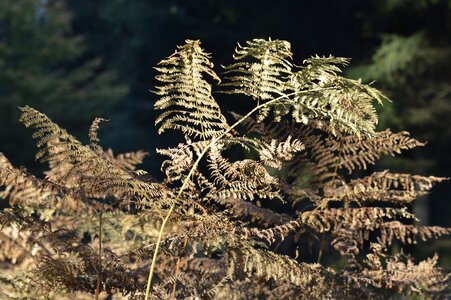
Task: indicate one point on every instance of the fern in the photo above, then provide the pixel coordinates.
(261, 71)
(186, 95)
(216, 227)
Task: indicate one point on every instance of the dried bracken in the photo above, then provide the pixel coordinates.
(226, 228)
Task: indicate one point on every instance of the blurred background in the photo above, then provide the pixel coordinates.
(78, 59)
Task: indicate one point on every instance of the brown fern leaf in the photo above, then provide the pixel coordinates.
(357, 152)
(243, 179)
(274, 154)
(261, 72)
(382, 186)
(403, 275)
(128, 160)
(270, 266)
(367, 218)
(186, 95)
(239, 208)
(409, 234)
(23, 188)
(339, 104)
(87, 170)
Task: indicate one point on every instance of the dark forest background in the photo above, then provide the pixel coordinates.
(78, 59)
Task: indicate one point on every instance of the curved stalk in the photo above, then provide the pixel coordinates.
(193, 169)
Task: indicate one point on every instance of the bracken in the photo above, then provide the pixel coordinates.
(95, 223)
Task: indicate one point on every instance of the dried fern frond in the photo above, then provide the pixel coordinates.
(382, 186)
(338, 103)
(402, 274)
(128, 160)
(186, 95)
(275, 153)
(23, 188)
(262, 264)
(316, 155)
(261, 72)
(270, 235)
(357, 152)
(243, 179)
(87, 170)
(349, 239)
(409, 234)
(93, 134)
(365, 217)
(239, 208)
(96, 223)
(180, 159)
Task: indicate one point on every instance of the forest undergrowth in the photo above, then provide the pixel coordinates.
(258, 226)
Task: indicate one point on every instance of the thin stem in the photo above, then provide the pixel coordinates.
(99, 272)
(320, 254)
(193, 169)
(177, 268)
(323, 238)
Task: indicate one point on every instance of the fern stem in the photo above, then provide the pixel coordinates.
(177, 268)
(193, 90)
(323, 238)
(320, 254)
(194, 168)
(99, 272)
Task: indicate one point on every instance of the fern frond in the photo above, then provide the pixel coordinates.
(356, 153)
(94, 129)
(364, 217)
(350, 238)
(337, 104)
(267, 265)
(243, 179)
(23, 188)
(180, 159)
(261, 72)
(402, 274)
(409, 234)
(186, 94)
(128, 160)
(239, 208)
(275, 153)
(382, 186)
(88, 171)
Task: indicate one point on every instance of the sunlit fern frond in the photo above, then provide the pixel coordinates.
(23, 188)
(243, 179)
(330, 154)
(336, 104)
(186, 94)
(261, 72)
(362, 218)
(88, 170)
(355, 152)
(247, 210)
(275, 153)
(409, 234)
(262, 264)
(94, 134)
(349, 239)
(128, 160)
(384, 186)
(219, 237)
(400, 272)
(180, 159)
